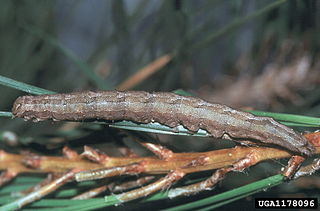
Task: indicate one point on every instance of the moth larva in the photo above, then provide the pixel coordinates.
(165, 108)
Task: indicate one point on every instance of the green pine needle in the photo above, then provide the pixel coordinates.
(23, 86)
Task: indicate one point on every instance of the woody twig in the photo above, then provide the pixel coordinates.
(92, 164)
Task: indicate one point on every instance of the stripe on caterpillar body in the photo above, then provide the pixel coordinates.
(165, 108)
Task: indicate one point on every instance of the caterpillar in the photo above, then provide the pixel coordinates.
(165, 108)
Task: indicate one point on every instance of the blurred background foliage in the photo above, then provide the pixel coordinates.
(51, 42)
(258, 54)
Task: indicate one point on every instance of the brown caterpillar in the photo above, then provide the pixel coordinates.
(165, 108)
